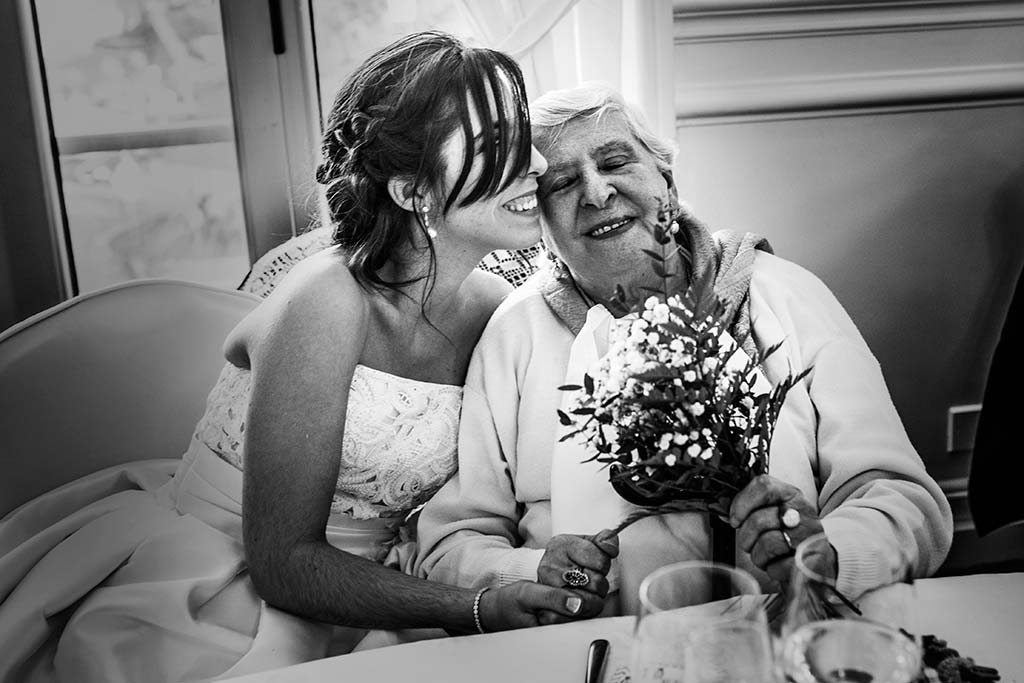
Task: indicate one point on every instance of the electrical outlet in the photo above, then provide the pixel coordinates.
(961, 426)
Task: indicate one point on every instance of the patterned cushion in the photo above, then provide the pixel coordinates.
(515, 265)
(272, 266)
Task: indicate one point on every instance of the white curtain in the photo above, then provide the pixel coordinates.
(562, 43)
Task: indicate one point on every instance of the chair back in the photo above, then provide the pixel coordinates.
(113, 376)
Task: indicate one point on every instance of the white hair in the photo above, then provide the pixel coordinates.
(550, 112)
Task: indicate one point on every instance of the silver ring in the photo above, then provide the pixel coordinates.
(575, 577)
(789, 517)
(789, 541)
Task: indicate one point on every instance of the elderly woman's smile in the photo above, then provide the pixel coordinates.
(601, 184)
(606, 229)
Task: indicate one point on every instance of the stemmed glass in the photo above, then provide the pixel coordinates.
(701, 622)
(829, 639)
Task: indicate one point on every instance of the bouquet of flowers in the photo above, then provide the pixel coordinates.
(670, 409)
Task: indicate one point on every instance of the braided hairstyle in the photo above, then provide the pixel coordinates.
(392, 117)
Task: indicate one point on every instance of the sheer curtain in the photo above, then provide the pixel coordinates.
(561, 43)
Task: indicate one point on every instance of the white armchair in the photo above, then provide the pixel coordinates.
(108, 378)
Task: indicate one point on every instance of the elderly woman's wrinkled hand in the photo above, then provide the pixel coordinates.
(771, 518)
(579, 562)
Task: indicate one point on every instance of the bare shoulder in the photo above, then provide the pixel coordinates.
(318, 299)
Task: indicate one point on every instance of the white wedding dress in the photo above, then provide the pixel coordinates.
(149, 583)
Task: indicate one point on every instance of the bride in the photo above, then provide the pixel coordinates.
(335, 417)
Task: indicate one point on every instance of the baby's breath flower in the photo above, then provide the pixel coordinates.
(659, 314)
(693, 428)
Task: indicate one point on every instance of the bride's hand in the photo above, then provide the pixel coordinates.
(523, 603)
(588, 558)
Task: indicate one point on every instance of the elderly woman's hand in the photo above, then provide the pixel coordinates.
(771, 518)
(579, 562)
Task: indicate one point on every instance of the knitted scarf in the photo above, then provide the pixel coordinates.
(729, 254)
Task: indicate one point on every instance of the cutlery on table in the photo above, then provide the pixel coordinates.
(596, 656)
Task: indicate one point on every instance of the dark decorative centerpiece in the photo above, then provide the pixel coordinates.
(672, 408)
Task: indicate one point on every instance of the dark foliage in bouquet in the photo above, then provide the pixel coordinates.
(678, 423)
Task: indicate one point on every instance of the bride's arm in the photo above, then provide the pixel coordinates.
(303, 348)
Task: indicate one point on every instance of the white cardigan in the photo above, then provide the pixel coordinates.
(839, 439)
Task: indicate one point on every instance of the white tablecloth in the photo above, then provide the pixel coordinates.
(982, 616)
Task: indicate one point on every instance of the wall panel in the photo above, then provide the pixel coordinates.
(881, 145)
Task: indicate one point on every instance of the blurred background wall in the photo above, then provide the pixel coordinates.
(880, 145)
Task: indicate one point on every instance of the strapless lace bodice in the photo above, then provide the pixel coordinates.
(399, 445)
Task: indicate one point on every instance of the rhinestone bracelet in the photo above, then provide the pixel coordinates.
(476, 609)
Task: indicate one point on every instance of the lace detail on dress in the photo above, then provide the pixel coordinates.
(399, 446)
(222, 426)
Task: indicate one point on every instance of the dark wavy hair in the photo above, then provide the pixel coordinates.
(391, 119)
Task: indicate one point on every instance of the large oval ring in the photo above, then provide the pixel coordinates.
(790, 518)
(575, 577)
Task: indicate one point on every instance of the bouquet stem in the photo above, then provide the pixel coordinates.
(723, 541)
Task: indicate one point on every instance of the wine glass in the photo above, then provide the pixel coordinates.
(828, 638)
(701, 622)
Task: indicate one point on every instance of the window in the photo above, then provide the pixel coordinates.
(179, 138)
(348, 31)
(142, 117)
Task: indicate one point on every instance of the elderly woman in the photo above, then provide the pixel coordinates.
(840, 457)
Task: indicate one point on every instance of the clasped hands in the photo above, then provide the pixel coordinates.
(580, 563)
(770, 516)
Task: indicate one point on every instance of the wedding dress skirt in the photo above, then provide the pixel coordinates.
(132, 574)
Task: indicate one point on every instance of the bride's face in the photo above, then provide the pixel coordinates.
(509, 219)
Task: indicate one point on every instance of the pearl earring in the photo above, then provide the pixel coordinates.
(425, 210)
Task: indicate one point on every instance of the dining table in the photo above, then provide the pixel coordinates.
(980, 615)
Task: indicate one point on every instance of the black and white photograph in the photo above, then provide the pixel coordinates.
(615, 341)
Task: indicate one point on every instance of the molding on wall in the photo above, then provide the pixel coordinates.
(849, 94)
(699, 21)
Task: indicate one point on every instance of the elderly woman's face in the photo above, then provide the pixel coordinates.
(600, 197)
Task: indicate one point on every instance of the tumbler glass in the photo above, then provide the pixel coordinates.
(701, 622)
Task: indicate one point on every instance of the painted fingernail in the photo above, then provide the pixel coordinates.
(573, 604)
